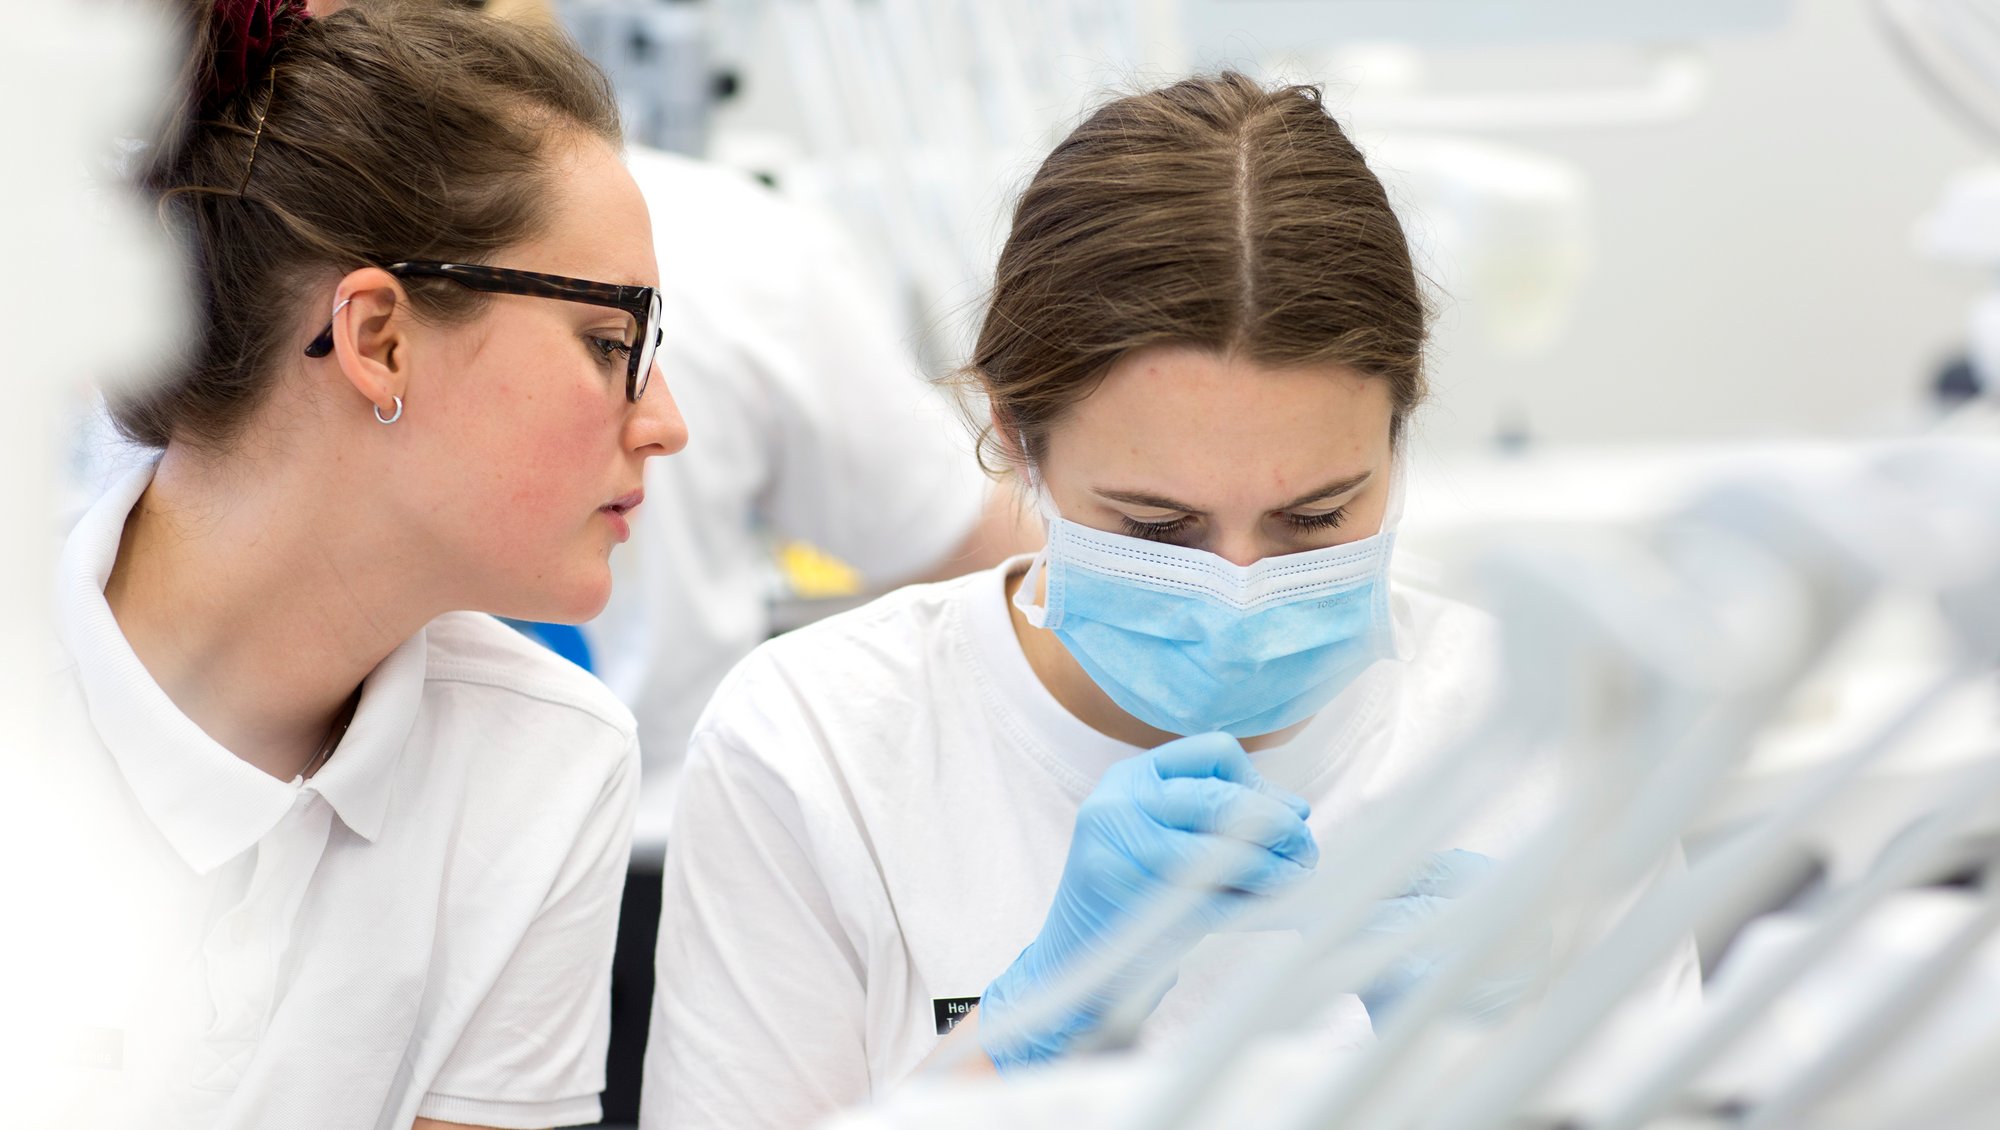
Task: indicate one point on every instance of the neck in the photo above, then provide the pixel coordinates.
(258, 602)
(1079, 694)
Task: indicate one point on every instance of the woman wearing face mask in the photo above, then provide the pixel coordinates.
(1204, 343)
(356, 852)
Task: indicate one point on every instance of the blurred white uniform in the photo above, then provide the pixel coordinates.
(807, 420)
(875, 817)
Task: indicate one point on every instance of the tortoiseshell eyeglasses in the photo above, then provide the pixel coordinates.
(641, 302)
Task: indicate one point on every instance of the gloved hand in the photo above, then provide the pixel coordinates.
(1189, 821)
(1444, 876)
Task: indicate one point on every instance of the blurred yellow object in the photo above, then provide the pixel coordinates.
(815, 574)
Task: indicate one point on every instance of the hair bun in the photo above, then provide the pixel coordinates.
(243, 36)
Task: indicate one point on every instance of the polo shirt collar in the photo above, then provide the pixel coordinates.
(359, 779)
(210, 804)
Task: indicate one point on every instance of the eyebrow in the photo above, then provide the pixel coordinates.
(1160, 502)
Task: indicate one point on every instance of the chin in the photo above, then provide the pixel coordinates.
(577, 598)
(583, 603)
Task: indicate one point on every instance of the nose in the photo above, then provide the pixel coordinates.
(1240, 547)
(654, 426)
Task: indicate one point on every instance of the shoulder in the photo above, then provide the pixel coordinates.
(883, 647)
(873, 671)
(1452, 653)
(825, 728)
(1444, 630)
(486, 666)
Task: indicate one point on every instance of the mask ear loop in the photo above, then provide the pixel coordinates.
(1396, 641)
(1045, 502)
(1024, 596)
(1399, 479)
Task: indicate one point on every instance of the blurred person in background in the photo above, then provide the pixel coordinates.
(813, 425)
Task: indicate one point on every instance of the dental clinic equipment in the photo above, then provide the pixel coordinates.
(1953, 48)
(913, 122)
(1656, 663)
(915, 118)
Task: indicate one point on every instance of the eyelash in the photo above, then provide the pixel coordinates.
(605, 348)
(1326, 521)
(1154, 531)
(1163, 531)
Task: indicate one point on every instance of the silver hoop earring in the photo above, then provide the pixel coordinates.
(380, 419)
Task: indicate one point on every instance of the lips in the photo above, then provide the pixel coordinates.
(618, 508)
(625, 503)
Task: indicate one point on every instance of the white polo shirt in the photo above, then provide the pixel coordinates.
(423, 928)
(875, 815)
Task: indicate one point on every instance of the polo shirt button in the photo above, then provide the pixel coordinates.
(239, 931)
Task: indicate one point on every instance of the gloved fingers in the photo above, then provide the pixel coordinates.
(1250, 913)
(1449, 874)
(1403, 913)
(1381, 996)
(1199, 913)
(1198, 861)
(1205, 755)
(1290, 800)
(1219, 755)
(1223, 808)
(1440, 878)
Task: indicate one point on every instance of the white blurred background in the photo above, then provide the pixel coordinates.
(1727, 193)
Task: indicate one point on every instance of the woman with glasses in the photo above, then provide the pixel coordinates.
(356, 847)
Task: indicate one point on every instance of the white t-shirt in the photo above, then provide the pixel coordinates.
(425, 927)
(875, 815)
(807, 420)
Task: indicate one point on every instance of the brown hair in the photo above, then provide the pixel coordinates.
(383, 131)
(1212, 213)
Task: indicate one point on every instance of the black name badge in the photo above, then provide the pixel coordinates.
(948, 1011)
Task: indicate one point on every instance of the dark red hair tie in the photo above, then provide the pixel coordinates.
(243, 36)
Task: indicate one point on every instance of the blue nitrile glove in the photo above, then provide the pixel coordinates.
(1443, 876)
(1193, 807)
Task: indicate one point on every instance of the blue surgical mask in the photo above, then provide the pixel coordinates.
(1187, 642)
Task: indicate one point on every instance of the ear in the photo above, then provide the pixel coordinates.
(371, 335)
